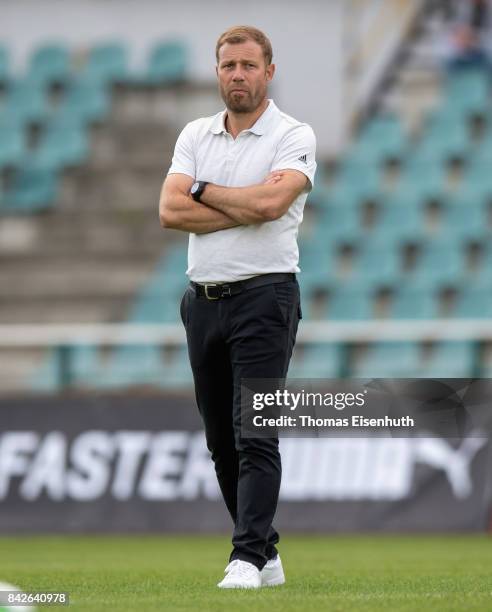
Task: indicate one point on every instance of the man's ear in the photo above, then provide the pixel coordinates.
(217, 70)
(270, 71)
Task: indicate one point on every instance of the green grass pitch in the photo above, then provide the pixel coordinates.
(336, 573)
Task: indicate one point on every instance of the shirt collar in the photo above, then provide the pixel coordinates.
(258, 128)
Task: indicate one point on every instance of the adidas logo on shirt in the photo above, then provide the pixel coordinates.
(303, 158)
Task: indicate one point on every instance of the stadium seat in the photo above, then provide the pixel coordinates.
(356, 180)
(107, 63)
(177, 372)
(467, 91)
(312, 280)
(476, 180)
(61, 145)
(86, 100)
(401, 219)
(389, 360)
(317, 360)
(33, 190)
(167, 63)
(474, 302)
(157, 301)
(376, 265)
(317, 254)
(349, 303)
(450, 359)
(25, 102)
(319, 196)
(12, 145)
(421, 179)
(441, 263)
(337, 224)
(445, 137)
(132, 365)
(413, 302)
(464, 218)
(84, 369)
(49, 64)
(381, 138)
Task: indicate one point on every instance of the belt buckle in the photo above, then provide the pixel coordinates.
(210, 297)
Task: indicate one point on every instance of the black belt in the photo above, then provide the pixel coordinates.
(216, 291)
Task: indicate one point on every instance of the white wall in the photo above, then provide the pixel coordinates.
(306, 39)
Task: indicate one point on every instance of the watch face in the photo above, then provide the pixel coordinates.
(194, 188)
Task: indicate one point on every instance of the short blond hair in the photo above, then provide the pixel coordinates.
(240, 34)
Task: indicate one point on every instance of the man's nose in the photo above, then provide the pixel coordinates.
(238, 74)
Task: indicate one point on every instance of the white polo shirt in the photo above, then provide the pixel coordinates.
(205, 151)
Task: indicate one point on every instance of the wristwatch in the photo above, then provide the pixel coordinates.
(197, 190)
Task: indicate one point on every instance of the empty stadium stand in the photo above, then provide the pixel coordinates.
(400, 226)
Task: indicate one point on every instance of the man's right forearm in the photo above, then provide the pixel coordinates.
(190, 216)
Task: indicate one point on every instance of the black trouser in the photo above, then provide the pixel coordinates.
(249, 335)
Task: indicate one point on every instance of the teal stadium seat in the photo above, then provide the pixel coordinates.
(25, 102)
(474, 302)
(319, 196)
(167, 63)
(338, 224)
(133, 365)
(147, 365)
(49, 64)
(421, 179)
(177, 372)
(445, 137)
(32, 190)
(348, 302)
(441, 263)
(317, 253)
(476, 180)
(467, 92)
(317, 360)
(107, 63)
(356, 181)
(401, 219)
(414, 302)
(12, 145)
(311, 281)
(450, 359)
(62, 144)
(86, 100)
(389, 360)
(381, 138)
(464, 218)
(376, 266)
(84, 369)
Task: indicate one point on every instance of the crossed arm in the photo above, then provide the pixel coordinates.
(225, 207)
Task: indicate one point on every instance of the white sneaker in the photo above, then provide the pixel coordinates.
(241, 575)
(272, 573)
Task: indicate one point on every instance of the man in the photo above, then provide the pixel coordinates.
(238, 183)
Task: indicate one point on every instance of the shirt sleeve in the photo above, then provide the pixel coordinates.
(183, 161)
(297, 151)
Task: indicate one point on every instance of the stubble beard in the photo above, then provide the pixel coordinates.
(244, 103)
